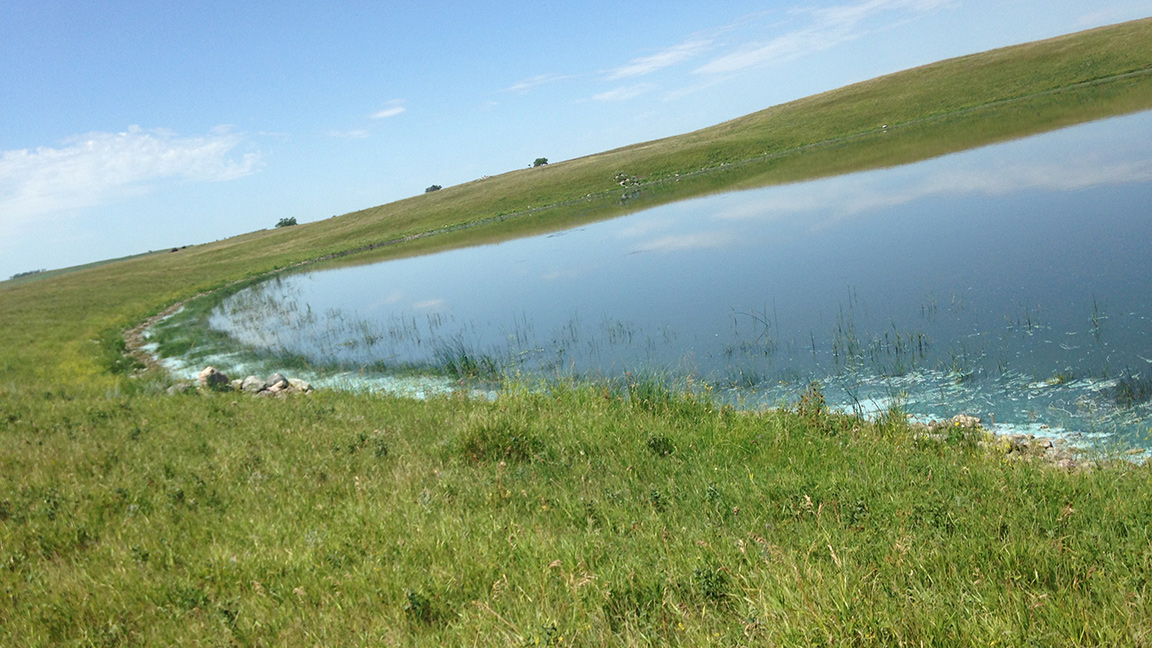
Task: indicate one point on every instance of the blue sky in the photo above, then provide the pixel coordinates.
(134, 126)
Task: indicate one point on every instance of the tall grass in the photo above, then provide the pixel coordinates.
(585, 514)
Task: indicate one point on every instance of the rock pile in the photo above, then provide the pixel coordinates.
(216, 380)
(1016, 447)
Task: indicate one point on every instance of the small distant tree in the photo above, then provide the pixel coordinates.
(433, 188)
(539, 162)
(286, 222)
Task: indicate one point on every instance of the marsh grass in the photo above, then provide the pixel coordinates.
(1132, 389)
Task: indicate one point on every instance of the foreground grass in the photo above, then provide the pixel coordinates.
(590, 515)
(595, 514)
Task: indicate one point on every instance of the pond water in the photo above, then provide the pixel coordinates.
(1012, 282)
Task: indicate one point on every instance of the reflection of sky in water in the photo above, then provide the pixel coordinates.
(1016, 262)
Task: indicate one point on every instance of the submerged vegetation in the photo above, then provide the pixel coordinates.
(591, 513)
(1132, 389)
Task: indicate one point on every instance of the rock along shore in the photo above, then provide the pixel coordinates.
(213, 379)
(1050, 451)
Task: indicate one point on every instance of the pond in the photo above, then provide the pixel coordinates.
(1011, 282)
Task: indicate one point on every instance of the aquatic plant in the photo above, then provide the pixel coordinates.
(1132, 389)
(457, 358)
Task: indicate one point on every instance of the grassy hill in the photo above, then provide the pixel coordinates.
(584, 515)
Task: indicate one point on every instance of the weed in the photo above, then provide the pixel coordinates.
(934, 514)
(548, 635)
(711, 583)
(812, 405)
(659, 504)
(857, 513)
(661, 446)
(964, 436)
(187, 597)
(419, 607)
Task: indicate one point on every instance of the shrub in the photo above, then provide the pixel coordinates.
(286, 222)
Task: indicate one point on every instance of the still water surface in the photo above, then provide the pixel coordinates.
(1013, 282)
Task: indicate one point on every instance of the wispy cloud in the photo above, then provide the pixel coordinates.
(349, 134)
(667, 57)
(524, 86)
(97, 167)
(429, 304)
(827, 27)
(391, 109)
(625, 93)
(696, 241)
(870, 192)
(753, 40)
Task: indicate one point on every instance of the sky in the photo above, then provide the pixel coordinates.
(127, 127)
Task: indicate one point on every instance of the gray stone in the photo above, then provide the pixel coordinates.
(253, 385)
(300, 385)
(1018, 442)
(181, 387)
(277, 380)
(212, 378)
(964, 420)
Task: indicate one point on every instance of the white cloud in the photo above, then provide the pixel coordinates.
(349, 134)
(641, 227)
(393, 108)
(388, 112)
(662, 59)
(625, 93)
(829, 27)
(97, 167)
(429, 304)
(677, 242)
(522, 87)
(868, 192)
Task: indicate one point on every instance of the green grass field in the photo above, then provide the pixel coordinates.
(573, 514)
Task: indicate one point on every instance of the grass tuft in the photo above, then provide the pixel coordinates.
(499, 440)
